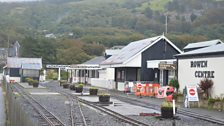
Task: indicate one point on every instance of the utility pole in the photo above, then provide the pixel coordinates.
(166, 25)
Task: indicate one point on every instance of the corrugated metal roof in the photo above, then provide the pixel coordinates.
(207, 50)
(16, 62)
(31, 66)
(203, 44)
(96, 60)
(112, 51)
(130, 50)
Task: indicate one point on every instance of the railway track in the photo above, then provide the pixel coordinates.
(102, 109)
(46, 117)
(77, 116)
(180, 111)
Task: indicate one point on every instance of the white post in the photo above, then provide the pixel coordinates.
(59, 73)
(174, 107)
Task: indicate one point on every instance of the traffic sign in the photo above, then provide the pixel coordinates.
(192, 93)
(139, 86)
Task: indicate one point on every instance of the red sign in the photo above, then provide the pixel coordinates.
(139, 86)
(192, 92)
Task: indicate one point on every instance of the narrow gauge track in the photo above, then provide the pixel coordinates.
(105, 110)
(75, 108)
(180, 111)
(47, 118)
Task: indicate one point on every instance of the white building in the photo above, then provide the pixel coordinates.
(193, 66)
(20, 68)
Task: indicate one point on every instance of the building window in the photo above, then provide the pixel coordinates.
(30, 73)
(14, 72)
(97, 74)
(120, 75)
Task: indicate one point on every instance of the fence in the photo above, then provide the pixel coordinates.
(18, 112)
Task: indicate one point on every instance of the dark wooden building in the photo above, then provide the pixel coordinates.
(131, 64)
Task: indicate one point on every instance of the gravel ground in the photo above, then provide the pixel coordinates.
(99, 119)
(56, 104)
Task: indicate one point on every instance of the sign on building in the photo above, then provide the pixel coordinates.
(167, 66)
(57, 66)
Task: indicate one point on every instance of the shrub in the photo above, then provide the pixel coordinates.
(62, 82)
(104, 94)
(93, 88)
(28, 79)
(205, 85)
(167, 110)
(167, 104)
(104, 97)
(80, 86)
(174, 83)
(175, 95)
(93, 91)
(35, 83)
(72, 87)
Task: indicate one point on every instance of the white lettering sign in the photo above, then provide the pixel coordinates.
(57, 66)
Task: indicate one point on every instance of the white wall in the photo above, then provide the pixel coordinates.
(16, 79)
(98, 82)
(186, 74)
(105, 80)
(107, 74)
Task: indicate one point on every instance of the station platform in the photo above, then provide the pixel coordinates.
(121, 107)
(157, 102)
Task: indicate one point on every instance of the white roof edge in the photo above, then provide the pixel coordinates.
(172, 44)
(186, 47)
(162, 60)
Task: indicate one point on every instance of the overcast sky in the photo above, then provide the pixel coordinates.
(16, 0)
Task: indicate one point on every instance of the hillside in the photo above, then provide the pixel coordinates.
(112, 22)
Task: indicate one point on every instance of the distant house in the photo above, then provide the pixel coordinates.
(199, 45)
(92, 73)
(139, 61)
(51, 35)
(20, 68)
(83, 73)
